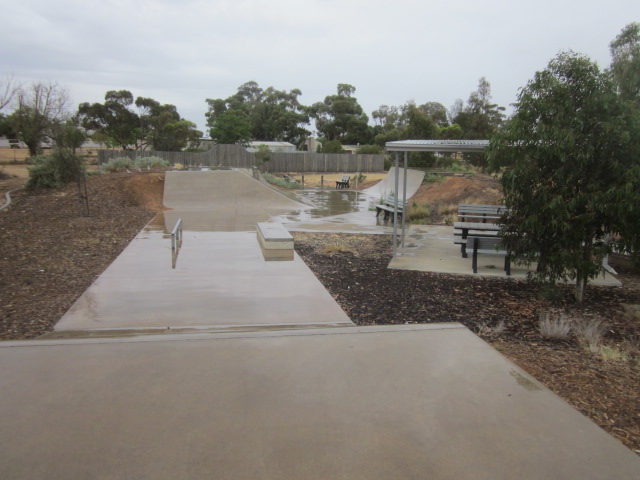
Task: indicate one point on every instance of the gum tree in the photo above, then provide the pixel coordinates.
(569, 158)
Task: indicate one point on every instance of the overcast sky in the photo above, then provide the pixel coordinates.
(185, 51)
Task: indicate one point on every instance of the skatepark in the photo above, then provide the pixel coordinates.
(231, 366)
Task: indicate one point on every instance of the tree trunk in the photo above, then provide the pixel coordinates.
(33, 148)
(582, 276)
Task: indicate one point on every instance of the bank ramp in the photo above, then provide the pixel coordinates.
(222, 200)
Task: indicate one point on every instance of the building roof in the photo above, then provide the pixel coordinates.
(437, 145)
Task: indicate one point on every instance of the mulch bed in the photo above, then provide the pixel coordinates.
(354, 270)
(51, 253)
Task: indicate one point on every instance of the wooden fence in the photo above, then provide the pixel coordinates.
(238, 157)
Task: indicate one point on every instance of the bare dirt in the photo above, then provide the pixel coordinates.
(51, 254)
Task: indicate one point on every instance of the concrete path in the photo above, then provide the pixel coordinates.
(430, 248)
(407, 402)
(221, 280)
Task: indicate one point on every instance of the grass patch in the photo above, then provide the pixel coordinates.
(434, 178)
(419, 214)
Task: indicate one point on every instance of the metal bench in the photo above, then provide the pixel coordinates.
(489, 246)
(388, 207)
(344, 183)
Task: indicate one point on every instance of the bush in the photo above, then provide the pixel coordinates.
(370, 149)
(331, 146)
(55, 170)
(119, 164)
(282, 182)
(433, 178)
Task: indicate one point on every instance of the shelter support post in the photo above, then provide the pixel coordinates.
(395, 206)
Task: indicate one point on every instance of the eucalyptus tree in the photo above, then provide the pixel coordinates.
(253, 113)
(340, 117)
(155, 124)
(570, 164)
(625, 64)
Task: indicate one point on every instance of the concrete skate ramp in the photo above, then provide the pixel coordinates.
(376, 403)
(221, 200)
(388, 184)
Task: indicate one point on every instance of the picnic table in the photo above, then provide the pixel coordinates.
(479, 229)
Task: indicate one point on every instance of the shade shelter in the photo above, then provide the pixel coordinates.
(406, 146)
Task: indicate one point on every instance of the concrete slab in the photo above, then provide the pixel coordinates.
(221, 200)
(430, 248)
(221, 279)
(409, 402)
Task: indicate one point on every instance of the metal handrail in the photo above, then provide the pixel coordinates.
(176, 242)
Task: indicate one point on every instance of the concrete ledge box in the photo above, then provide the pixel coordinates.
(275, 241)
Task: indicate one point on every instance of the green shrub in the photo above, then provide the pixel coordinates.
(282, 182)
(433, 178)
(119, 164)
(55, 170)
(370, 149)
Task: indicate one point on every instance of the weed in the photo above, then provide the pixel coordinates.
(449, 219)
(555, 328)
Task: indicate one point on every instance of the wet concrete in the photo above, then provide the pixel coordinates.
(221, 279)
(221, 201)
(430, 248)
(355, 403)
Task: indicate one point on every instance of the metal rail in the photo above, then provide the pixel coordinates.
(176, 242)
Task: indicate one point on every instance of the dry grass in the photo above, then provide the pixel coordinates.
(557, 328)
(486, 330)
(589, 334)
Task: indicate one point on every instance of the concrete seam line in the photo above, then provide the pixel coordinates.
(8, 197)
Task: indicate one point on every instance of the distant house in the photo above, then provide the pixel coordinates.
(279, 147)
(312, 145)
(351, 148)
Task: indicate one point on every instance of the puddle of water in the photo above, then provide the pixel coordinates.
(328, 203)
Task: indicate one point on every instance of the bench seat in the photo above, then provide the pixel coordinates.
(344, 183)
(388, 207)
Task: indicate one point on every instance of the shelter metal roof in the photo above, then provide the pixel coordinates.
(437, 145)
